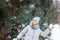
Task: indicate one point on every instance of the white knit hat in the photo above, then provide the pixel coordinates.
(37, 19)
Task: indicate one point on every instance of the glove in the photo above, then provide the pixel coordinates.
(15, 39)
(51, 26)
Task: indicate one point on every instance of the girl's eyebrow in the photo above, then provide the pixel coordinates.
(36, 24)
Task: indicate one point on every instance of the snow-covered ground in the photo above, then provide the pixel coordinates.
(55, 33)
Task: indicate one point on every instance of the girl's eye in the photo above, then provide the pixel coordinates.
(35, 24)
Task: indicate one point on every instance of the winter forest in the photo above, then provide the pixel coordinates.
(15, 15)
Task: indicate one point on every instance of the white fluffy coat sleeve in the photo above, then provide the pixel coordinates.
(45, 33)
(19, 36)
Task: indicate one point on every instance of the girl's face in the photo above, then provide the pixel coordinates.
(34, 22)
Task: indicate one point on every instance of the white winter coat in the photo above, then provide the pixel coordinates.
(31, 34)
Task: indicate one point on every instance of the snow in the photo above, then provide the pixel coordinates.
(32, 6)
(55, 33)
